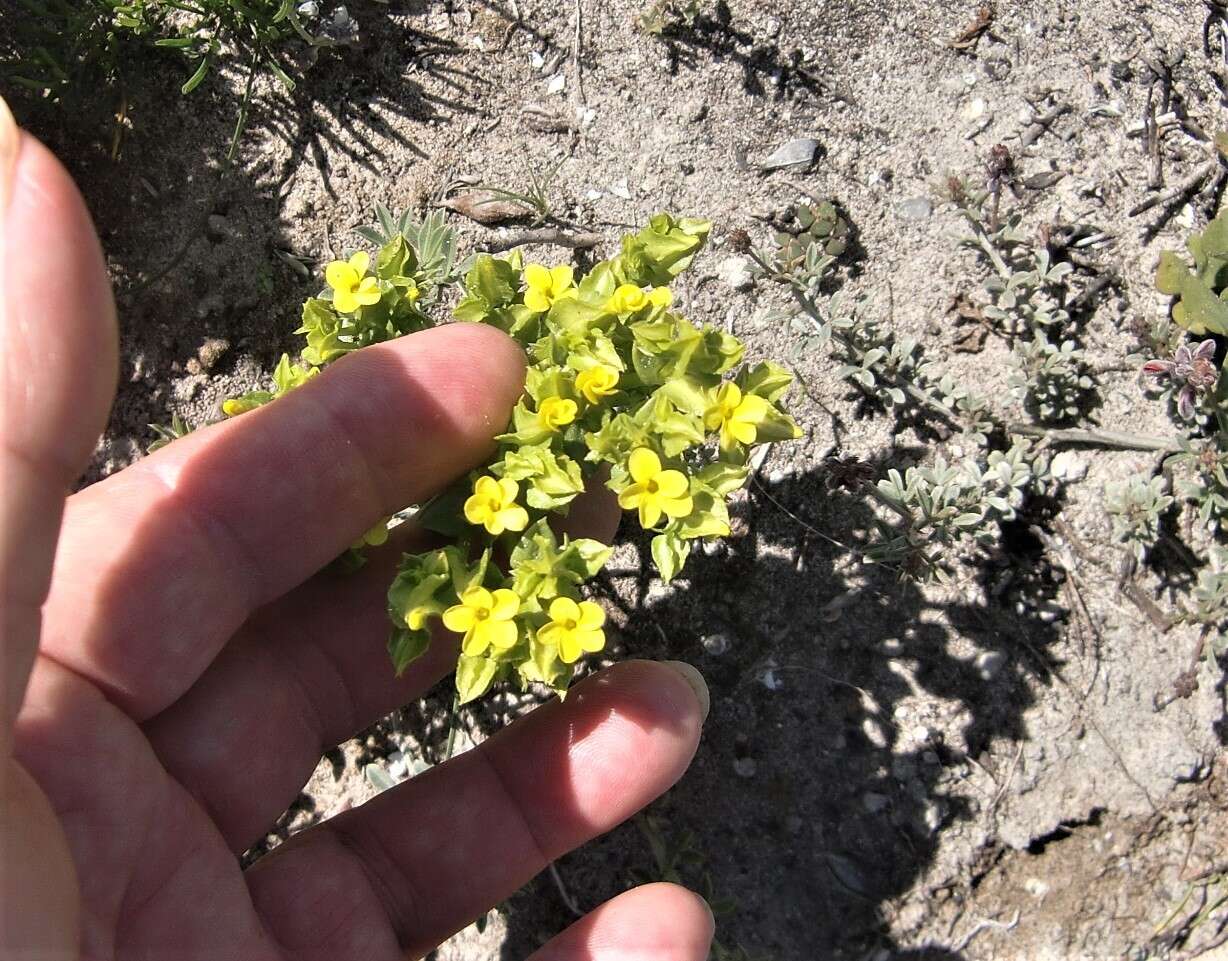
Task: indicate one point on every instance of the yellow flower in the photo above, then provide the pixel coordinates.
(485, 619)
(493, 506)
(628, 299)
(546, 286)
(597, 382)
(660, 297)
(376, 536)
(735, 415)
(574, 628)
(556, 412)
(351, 287)
(654, 491)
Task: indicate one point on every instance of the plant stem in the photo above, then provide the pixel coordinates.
(1097, 438)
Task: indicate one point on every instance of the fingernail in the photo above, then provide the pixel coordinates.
(10, 140)
(697, 683)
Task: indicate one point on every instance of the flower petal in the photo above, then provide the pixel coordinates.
(591, 616)
(459, 618)
(536, 277)
(630, 497)
(359, 262)
(478, 598)
(561, 277)
(508, 489)
(536, 301)
(345, 301)
(672, 483)
(475, 643)
(650, 512)
(500, 634)
(643, 465)
(563, 609)
(487, 487)
(340, 275)
(742, 431)
(569, 647)
(514, 518)
(590, 641)
(677, 506)
(505, 606)
(752, 408)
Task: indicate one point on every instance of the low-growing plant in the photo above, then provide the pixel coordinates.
(55, 43)
(1052, 381)
(619, 382)
(1135, 505)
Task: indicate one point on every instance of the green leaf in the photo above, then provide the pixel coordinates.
(669, 553)
(474, 675)
(406, 646)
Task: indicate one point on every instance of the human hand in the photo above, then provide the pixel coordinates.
(193, 664)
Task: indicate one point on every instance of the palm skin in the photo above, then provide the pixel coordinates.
(174, 664)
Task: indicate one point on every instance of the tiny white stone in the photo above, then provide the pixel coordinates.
(1068, 466)
(744, 767)
(716, 644)
(975, 109)
(1036, 887)
(537, 60)
(557, 84)
(735, 272)
(620, 189)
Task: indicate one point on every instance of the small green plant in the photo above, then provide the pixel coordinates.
(535, 198)
(661, 15)
(1135, 506)
(618, 381)
(1200, 293)
(1052, 381)
(945, 505)
(677, 859)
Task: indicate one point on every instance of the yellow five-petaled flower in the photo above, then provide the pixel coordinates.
(546, 286)
(493, 506)
(352, 288)
(736, 415)
(574, 628)
(654, 491)
(485, 618)
(554, 413)
(628, 298)
(597, 382)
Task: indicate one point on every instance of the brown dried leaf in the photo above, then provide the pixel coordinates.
(486, 207)
(967, 38)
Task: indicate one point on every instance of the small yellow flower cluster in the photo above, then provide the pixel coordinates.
(621, 388)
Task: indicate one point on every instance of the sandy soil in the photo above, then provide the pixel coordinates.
(972, 770)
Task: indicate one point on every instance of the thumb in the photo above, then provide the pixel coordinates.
(57, 378)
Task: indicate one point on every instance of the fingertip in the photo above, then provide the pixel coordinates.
(59, 333)
(654, 922)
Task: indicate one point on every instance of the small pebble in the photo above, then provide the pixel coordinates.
(989, 664)
(735, 272)
(557, 84)
(873, 803)
(795, 153)
(975, 109)
(745, 767)
(716, 644)
(1036, 887)
(777, 476)
(1068, 466)
(915, 208)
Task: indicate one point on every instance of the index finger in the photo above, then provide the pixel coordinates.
(161, 563)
